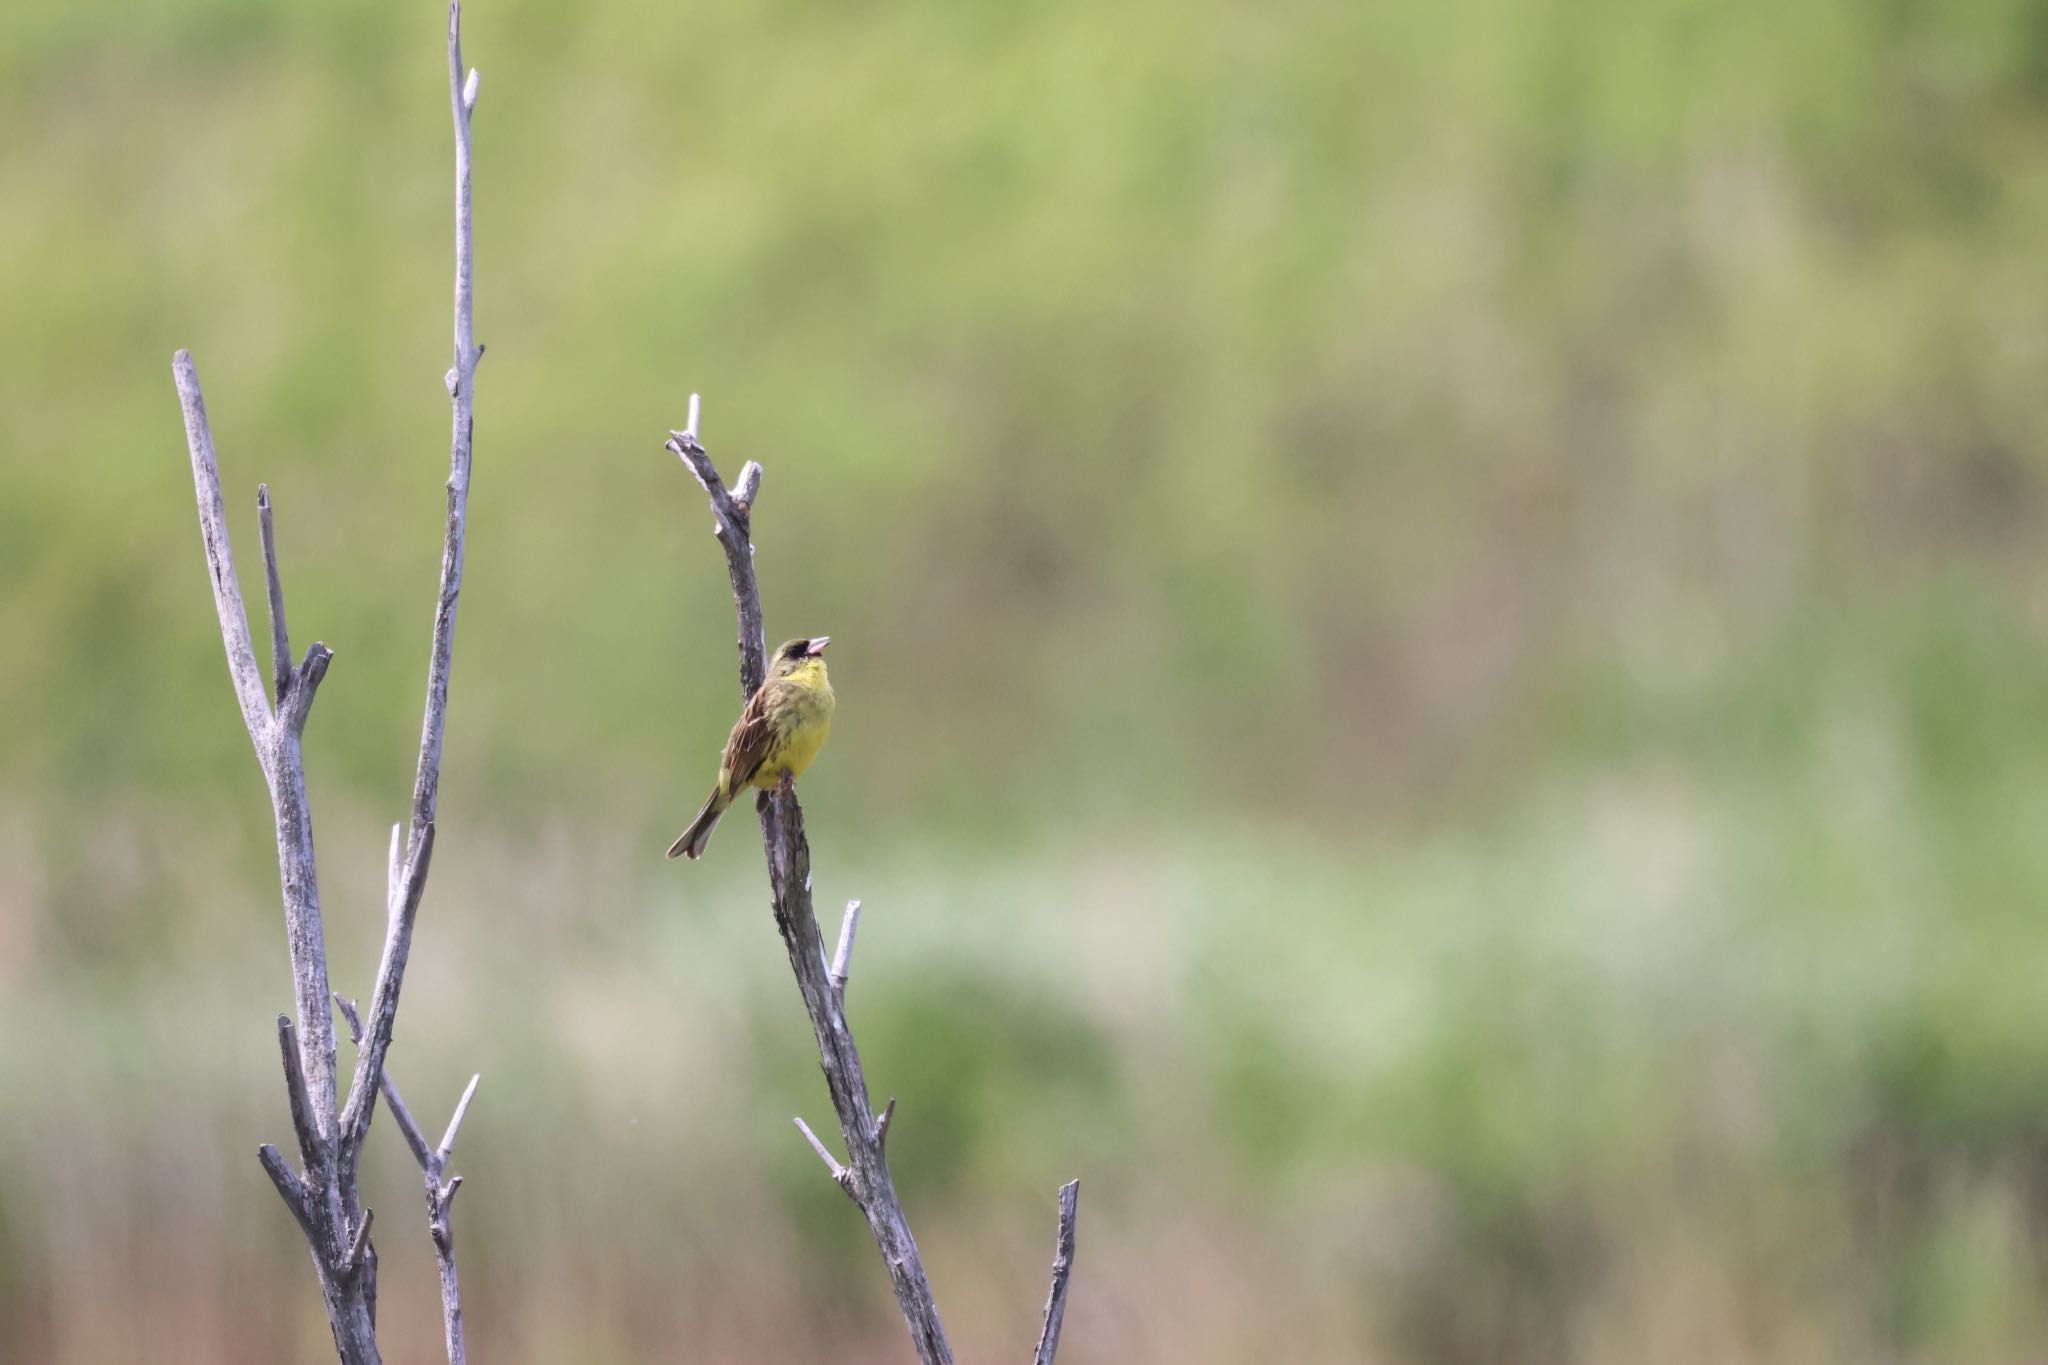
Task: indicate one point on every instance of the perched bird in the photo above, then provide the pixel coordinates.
(781, 729)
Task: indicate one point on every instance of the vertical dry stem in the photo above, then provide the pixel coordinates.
(324, 1197)
(865, 1174)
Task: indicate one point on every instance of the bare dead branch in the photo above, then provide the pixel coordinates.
(359, 1245)
(866, 1172)
(312, 1147)
(1062, 1271)
(355, 1117)
(749, 487)
(447, 1148)
(297, 703)
(220, 560)
(277, 753)
(434, 724)
(822, 983)
(319, 1202)
(440, 1197)
(280, 642)
(400, 1115)
(363, 1088)
(840, 1175)
(842, 958)
(394, 868)
(290, 1188)
(882, 1122)
(427, 775)
(408, 1126)
(440, 1222)
(734, 533)
(325, 1200)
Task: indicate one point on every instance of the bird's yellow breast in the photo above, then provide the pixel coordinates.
(800, 714)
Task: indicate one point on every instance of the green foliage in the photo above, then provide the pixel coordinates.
(1435, 620)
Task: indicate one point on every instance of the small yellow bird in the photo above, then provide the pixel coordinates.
(781, 729)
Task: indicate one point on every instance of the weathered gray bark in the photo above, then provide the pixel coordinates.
(324, 1196)
(419, 842)
(1062, 1271)
(865, 1174)
(327, 1209)
(433, 1162)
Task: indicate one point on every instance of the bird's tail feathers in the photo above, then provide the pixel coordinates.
(690, 843)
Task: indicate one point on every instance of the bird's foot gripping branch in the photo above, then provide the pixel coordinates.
(864, 1175)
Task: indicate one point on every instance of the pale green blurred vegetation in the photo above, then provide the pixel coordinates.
(1440, 629)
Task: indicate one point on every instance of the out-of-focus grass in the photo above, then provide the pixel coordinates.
(1679, 1055)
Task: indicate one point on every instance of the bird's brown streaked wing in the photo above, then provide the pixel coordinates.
(748, 745)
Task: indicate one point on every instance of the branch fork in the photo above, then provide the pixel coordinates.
(433, 1162)
(331, 1131)
(822, 981)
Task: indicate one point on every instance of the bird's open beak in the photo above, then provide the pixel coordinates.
(817, 645)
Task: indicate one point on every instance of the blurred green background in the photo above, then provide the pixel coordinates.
(1440, 629)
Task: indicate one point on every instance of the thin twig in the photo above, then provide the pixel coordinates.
(297, 704)
(361, 1244)
(1062, 1271)
(734, 533)
(842, 958)
(312, 1147)
(440, 1197)
(407, 1125)
(748, 488)
(427, 776)
(440, 1223)
(882, 1122)
(361, 1105)
(220, 559)
(293, 1190)
(447, 1147)
(280, 642)
(394, 869)
(355, 1117)
(839, 1172)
